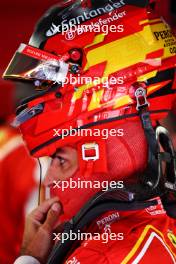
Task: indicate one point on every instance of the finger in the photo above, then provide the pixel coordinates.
(41, 211)
(52, 217)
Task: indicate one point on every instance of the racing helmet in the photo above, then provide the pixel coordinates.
(93, 65)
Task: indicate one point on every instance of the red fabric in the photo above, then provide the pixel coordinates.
(16, 182)
(174, 107)
(6, 99)
(148, 237)
(126, 156)
(163, 7)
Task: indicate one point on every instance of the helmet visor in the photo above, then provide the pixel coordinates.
(32, 64)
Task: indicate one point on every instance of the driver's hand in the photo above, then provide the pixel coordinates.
(39, 227)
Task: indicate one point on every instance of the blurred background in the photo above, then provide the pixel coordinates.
(18, 171)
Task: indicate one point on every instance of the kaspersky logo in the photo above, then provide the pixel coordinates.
(85, 16)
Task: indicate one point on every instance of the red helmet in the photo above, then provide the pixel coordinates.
(93, 65)
(141, 53)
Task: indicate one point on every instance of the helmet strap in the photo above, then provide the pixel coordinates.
(153, 177)
(92, 157)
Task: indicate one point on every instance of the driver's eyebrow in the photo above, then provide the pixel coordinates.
(61, 152)
(58, 152)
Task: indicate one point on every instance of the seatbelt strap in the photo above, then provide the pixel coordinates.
(151, 176)
(154, 172)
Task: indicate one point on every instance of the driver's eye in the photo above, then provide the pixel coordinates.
(61, 160)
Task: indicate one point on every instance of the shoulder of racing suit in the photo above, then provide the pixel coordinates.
(128, 237)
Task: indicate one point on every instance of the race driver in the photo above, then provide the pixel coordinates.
(140, 54)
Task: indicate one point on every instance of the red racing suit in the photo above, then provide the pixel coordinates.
(145, 236)
(17, 181)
